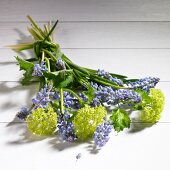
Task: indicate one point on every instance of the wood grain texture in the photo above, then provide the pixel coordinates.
(96, 35)
(116, 35)
(86, 10)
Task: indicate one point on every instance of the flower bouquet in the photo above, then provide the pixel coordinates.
(80, 103)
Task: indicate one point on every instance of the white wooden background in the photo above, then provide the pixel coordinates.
(130, 37)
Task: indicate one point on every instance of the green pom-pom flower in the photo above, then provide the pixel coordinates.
(42, 121)
(153, 106)
(87, 120)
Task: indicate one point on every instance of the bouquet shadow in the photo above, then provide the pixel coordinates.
(137, 126)
(9, 87)
(25, 137)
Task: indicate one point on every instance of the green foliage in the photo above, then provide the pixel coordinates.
(28, 68)
(87, 119)
(61, 79)
(120, 119)
(89, 92)
(152, 106)
(42, 122)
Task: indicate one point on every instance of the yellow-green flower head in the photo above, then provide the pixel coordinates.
(153, 107)
(87, 120)
(42, 121)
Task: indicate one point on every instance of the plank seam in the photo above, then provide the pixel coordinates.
(104, 48)
(93, 21)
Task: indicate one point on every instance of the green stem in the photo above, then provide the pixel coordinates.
(43, 56)
(107, 83)
(48, 64)
(51, 44)
(70, 91)
(50, 55)
(76, 66)
(61, 101)
(35, 25)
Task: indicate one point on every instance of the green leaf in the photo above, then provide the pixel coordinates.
(90, 92)
(61, 79)
(120, 119)
(28, 68)
(66, 81)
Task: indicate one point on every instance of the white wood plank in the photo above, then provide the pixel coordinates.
(144, 150)
(97, 35)
(13, 96)
(85, 10)
(134, 63)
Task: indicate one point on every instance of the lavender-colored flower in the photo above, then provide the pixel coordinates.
(60, 65)
(95, 102)
(94, 85)
(43, 97)
(101, 135)
(66, 128)
(83, 97)
(128, 96)
(70, 101)
(145, 83)
(38, 69)
(106, 94)
(23, 113)
(106, 75)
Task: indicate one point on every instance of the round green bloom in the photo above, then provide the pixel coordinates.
(42, 121)
(153, 106)
(87, 120)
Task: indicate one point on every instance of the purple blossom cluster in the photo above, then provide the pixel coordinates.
(23, 113)
(106, 75)
(60, 65)
(145, 83)
(106, 94)
(70, 101)
(66, 128)
(101, 135)
(43, 97)
(38, 69)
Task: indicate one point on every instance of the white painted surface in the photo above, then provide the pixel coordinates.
(144, 150)
(96, 34)
(86, 10)
(143, 49)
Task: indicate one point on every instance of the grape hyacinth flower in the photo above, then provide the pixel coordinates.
(38, 69)
(145, 83)
(23, 113)
(106, 75)
(60, 65)
(127, 96)
(83, 97)
(43, 97)
(70, 101)
(105, 94)
(66, 128)
(94, 85)
(101, 135)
